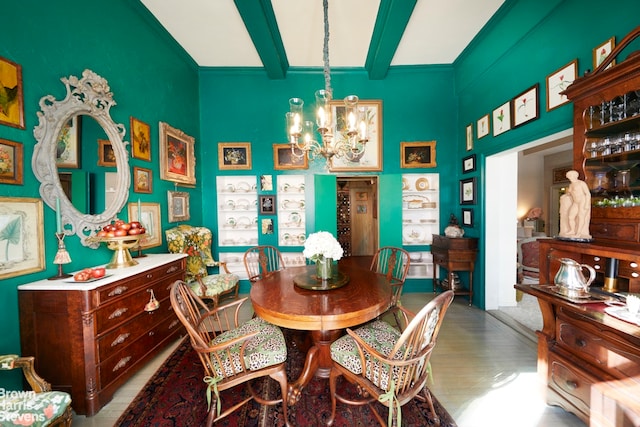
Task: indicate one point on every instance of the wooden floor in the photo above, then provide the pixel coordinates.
(484, 374)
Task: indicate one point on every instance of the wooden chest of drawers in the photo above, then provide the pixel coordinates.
(89, 338)
(454, 254)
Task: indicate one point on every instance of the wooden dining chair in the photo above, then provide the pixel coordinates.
(230, 353)
(386, 363)
(393, 263)
(259, 261)
(43, 406)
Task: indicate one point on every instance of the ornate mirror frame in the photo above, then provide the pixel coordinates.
(90, 96)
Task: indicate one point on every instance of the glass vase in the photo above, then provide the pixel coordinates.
(324, 268)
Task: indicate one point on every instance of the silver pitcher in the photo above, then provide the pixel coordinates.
(570, 280)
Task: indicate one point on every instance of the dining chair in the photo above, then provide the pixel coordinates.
(259, 261)
(388, 365)
(196, 243)
(230, 353)
(393, 263)
(42, 407)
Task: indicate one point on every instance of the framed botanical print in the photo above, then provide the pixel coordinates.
(468, 191)
(22, 229)
(178, 206)
(12, 111)
(68, 153)
(602, 51)
(469, 164)
(142, 180)
(525, 107)
(234, 155)
(284, 158)
(469, 137)
(268, 205)
(106, 155)
(11, 162)
(418, 154)
(467, 217)
(149, 217)
(177, 158)
(482, 126)
(140, 140)
(502, 118)
(371, 158)
(558, 81)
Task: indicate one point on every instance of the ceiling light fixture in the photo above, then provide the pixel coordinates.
(346, 137)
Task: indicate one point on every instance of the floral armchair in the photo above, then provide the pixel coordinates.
(196, 243)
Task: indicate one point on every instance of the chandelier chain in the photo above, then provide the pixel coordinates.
(325, 50)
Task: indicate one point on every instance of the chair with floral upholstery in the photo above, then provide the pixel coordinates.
(231, 354)
(388, 365)
(196, 243)
(43, 407)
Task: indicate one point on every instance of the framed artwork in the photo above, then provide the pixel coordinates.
(106, 156)
(149, 217)
(601, 52)
(266, 183)
(11, 162)
(178, 206)
(177, 158)
(482, 126)
(69, 143)
(558, 81)
(468, 191)
(284, 158)
(142, 180)
(362, 196)
(502, 118)
(525, 106)
(140, 139)
(266, 226)
(418, 154)
(234, 155)
(21, 236)
(560, 174)
(268, 205)
(371, 158)
(469, 137)
(467, 217)
(469, 164)
(12, 111)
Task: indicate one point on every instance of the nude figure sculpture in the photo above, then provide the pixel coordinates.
(575, 209)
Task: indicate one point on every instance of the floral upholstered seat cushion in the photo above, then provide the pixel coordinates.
(265, 349)
(27, 408)
(215, 284)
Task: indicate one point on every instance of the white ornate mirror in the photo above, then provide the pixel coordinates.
(89, 96)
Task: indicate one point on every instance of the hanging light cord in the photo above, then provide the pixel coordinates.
(325, 50)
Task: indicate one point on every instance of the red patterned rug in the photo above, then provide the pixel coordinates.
(175, 396)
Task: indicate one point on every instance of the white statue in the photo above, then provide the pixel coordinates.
(575, 209)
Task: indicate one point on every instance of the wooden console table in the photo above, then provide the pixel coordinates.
(454, 254)
(89, 338)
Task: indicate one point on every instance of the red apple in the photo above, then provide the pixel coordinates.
(81, 276)
(120, 233)
(98, 272)
(143, 230)
(111, 234)
(134, 231)
(124, 226)
(102, 233)
(135, 224)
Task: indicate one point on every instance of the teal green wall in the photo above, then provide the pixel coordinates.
(525, 42)
(151, 79)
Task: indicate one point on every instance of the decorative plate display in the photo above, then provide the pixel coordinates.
(413, 234)
(243, 204)
(405, 184)
(244, 222)
(294, 219)
(623, 313)
(243, 186)
(293, 204)
(422, 184)
(231, 222)
(230, 204)
(230, 188)
(301, 238)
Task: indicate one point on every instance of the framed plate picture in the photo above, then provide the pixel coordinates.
(12, 111)
(177, 158)
(234, 155)
(502, 118)
(525, 107)
(468, 191)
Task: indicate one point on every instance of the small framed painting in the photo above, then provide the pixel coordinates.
(467, 217)
(468, 191)
(502, 118)
(11, 162)
(469, 164)
(69, 143)
(177, 158)
(469, 137)
(525, 106)
(268, 205)
(234, 155)
(106, 156)
(482, 126)
(12, 111)
(178, 206)
(149, 217)
(22, 228)
(142, 180)
(140, 140)
(418, 154)
(601, 52)
(558, 81)
(284, 158)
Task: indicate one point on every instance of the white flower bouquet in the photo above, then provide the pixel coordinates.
(321, 245)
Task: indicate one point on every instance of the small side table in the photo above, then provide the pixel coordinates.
(454, 254)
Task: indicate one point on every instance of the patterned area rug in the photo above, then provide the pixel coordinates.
(175, 396)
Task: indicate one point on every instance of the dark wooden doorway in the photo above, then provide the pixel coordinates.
(358, 223)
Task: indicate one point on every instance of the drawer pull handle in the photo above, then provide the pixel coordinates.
(119, 312)
(122, 363)
(172, 269)
(581, 343)
(120, 339)
(150, 276)
(634, 274)
(633, 264)
(596, 258)
(173, 324)
(571, 385)
(151, 333)
(597, 267)
(118, 291)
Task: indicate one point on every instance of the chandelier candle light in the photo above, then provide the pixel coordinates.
(322, 248)
(347, 142)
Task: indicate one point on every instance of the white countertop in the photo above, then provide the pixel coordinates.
(144, 263)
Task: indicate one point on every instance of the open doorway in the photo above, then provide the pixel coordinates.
(358, 219)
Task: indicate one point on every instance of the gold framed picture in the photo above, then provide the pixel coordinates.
(142, 180)
(234, 155)
(22, 226)
(177, 158)
(178, 206)
(418, 154)
(106, 155)
(284, 158)
(12, 111)
(140, 139)
(68, 146)
(11, 162)
(149, 217)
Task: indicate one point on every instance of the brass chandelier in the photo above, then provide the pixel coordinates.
(345, 137)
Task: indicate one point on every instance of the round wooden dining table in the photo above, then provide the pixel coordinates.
(323, 313)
